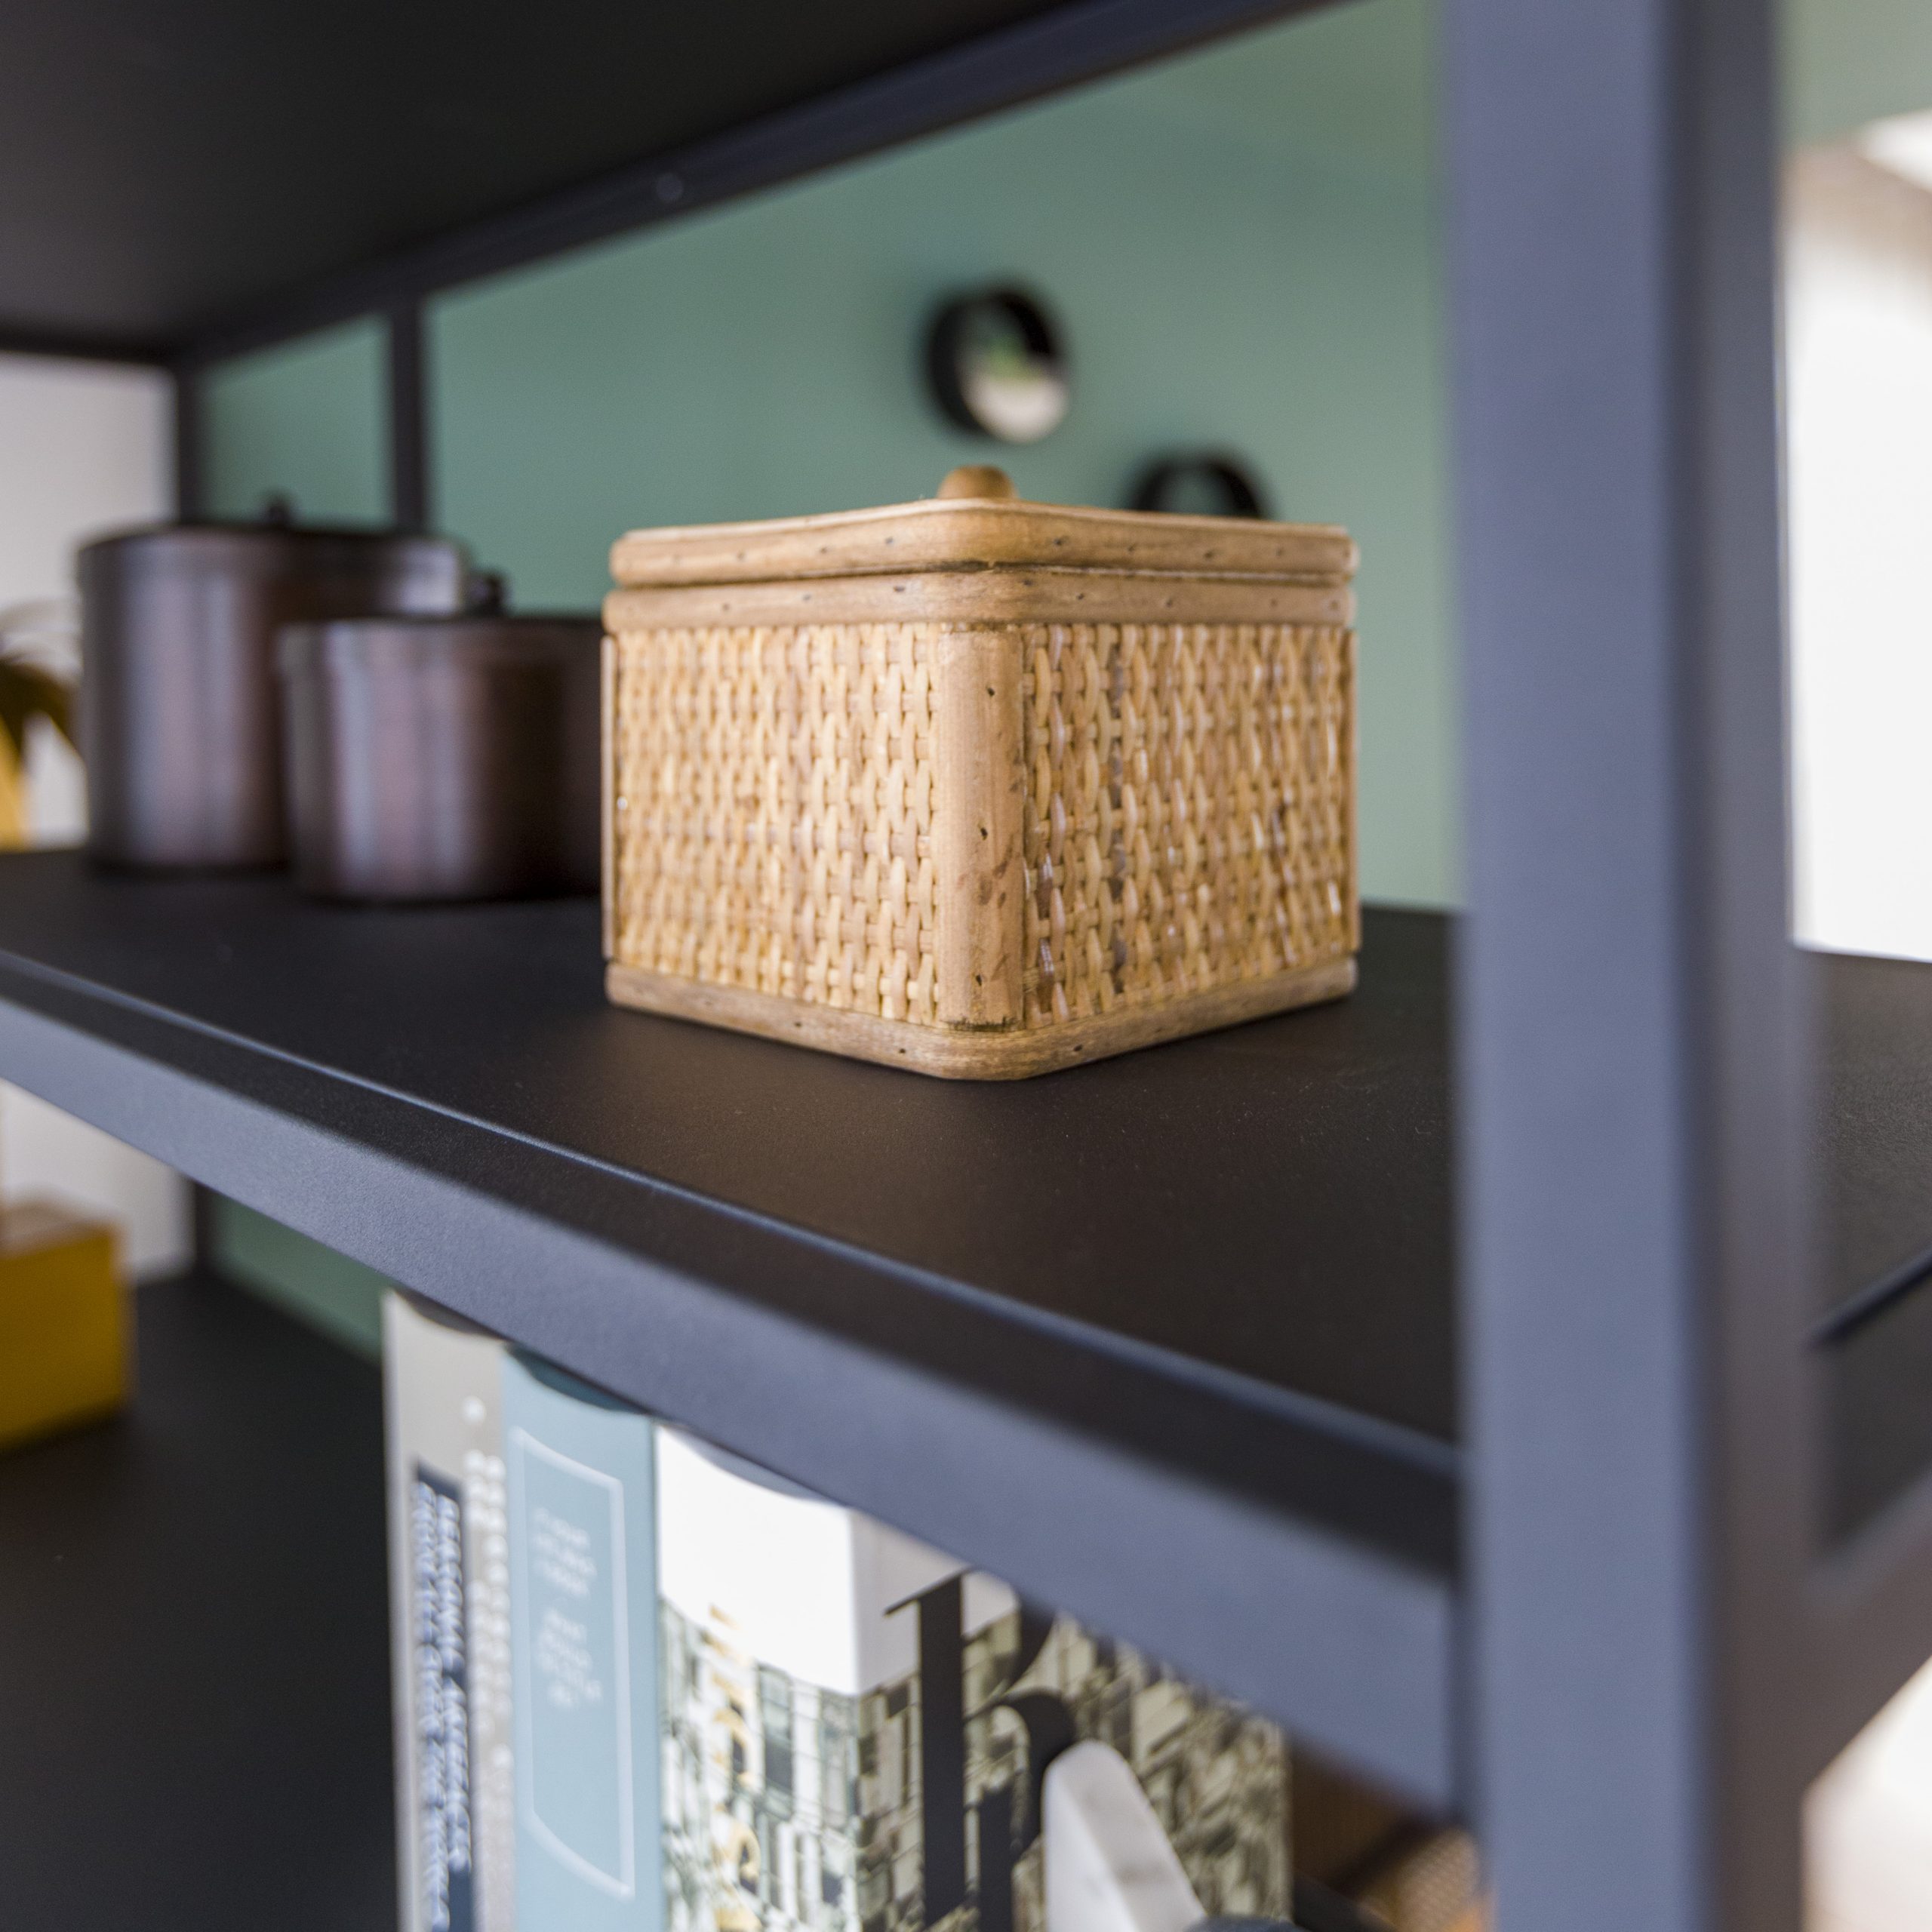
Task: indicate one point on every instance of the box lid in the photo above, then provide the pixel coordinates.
(977, 523)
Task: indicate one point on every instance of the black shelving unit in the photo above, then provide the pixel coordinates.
(1565, 1466)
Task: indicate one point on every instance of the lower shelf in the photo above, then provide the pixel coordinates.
(194, 1649)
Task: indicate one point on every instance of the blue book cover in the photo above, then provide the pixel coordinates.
(583, 1644)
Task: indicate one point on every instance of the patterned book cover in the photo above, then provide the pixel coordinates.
(855, 1727)
(449, 1583)
(583, 1625)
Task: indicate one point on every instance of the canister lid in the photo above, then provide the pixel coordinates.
(272, 534)
(200, 545)
(976, 523)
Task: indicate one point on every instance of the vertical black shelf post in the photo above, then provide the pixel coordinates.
(1632, 1018)
(189, 482)
(410, 505)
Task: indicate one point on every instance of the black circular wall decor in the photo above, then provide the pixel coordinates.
(1201, 484)
(997, 365)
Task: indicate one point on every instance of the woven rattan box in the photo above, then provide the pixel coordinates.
(979, 787)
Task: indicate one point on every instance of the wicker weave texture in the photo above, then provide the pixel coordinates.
(774, 817)
(1189, 816)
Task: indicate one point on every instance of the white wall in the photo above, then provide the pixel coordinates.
(1858, 404)
(1859, 411)
(1868, 1824)
(83, 447)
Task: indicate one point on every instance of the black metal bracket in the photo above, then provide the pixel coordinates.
(409, 418)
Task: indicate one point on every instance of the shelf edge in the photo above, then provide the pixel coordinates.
(1353, 1649)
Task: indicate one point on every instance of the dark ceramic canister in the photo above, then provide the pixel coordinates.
(444, 758)
(180, 720)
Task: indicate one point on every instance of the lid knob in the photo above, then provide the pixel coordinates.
(486, 594)
(978, 479)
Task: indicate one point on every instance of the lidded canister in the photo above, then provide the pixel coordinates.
(180, 720)
(446, 758)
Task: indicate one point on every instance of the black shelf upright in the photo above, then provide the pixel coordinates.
(1635, 1056)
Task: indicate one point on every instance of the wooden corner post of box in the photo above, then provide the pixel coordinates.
(979, 769)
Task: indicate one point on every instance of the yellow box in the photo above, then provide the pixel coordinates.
(65, 1321)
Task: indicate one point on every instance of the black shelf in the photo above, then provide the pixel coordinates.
(1169, 1340)
(194, 1648)
(183, 168)
(1089, 1331)
(182, 185)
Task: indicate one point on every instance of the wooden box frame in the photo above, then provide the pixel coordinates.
(978, 641)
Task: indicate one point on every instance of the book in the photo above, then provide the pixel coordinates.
(856, 1727)
(583, 1623)
(644, 1686)
(449, 1584)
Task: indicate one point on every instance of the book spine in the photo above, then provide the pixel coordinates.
(449, 1574)
(583, 1623)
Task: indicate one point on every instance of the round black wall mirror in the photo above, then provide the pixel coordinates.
(1206, 485)
(997, 366)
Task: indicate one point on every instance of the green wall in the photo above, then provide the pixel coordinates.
(1850, 61)
(1241, 245)
(310, 419)
(327, 1290)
